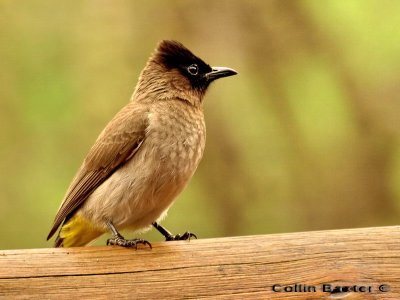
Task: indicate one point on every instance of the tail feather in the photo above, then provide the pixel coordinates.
(76, 232)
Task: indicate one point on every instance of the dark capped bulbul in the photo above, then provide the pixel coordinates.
(144, 157)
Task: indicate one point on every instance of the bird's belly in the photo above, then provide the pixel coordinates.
(141, 191)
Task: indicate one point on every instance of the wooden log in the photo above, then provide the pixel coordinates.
(365, 263)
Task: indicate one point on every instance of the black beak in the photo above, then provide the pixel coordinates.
(219, 72)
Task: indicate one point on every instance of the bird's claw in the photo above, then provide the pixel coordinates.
(120, 241)
(181, 237)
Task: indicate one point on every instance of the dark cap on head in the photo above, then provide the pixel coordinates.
(173, 55)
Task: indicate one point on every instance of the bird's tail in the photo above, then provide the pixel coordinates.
(76, 232)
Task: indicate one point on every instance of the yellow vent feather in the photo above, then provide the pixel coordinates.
(78, 231)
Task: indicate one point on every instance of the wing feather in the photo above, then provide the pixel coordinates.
(118, 143)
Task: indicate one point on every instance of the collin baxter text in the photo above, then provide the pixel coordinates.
(326, 288)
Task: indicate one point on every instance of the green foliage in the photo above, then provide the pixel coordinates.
(306, 137)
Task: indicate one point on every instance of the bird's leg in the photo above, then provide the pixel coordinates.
(119, 240)
(170, 237)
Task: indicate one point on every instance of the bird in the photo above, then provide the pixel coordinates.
(144, 157)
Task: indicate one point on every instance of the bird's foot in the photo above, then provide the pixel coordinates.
(170, 237)
(181, 237)
(119, 240)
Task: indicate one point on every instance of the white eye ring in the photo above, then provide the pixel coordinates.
(193, 69)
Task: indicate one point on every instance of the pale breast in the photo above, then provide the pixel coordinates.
(176, 137)
(140, 191)
(177, 130)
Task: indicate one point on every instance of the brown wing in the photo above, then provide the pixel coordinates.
(118, 142)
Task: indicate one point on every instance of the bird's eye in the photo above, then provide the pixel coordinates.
(193, 69)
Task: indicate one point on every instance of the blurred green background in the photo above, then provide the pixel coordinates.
(306, 137)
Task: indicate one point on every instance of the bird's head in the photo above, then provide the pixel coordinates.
(173, 71)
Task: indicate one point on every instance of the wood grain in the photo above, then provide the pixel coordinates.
(224, 268)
